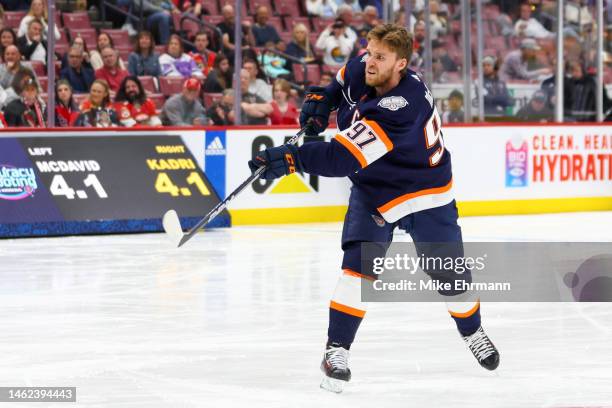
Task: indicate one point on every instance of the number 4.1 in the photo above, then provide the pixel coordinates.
(59, 187)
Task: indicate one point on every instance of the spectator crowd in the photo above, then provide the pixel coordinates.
(178, 70)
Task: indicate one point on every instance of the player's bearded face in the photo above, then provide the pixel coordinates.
(382, 64)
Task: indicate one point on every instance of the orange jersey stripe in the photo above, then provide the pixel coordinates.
(347, 309)
(406, 197)
(357, 274)
(468, 313)
(352, 149)
(380, 133)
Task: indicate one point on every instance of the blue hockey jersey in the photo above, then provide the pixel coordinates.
(390, 146)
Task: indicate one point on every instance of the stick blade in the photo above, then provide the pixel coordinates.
(172, 226)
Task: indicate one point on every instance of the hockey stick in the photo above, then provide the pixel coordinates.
(172, 223)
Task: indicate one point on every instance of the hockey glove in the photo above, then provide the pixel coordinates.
(316, 107)
(280, 161)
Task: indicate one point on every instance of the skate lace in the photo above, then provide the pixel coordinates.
(480, 344)
(337, 357)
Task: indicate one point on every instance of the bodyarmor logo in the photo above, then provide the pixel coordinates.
(16, 183)
(516, 165)
(393, 103)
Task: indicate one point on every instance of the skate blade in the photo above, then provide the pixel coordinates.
(332, 384)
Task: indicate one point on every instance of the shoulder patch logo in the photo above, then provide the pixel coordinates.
(364, 58)
(393, 103)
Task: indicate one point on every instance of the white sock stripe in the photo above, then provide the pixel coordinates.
(348, 292)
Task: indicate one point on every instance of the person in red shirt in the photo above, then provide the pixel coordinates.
(133, 106)
(66, 110)
(111, 72)
(284, 112)
(203, 57)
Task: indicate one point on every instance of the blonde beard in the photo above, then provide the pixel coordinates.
(380, 79)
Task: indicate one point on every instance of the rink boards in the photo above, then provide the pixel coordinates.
(76, 181)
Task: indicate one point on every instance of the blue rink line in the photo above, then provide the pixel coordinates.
(60, 228)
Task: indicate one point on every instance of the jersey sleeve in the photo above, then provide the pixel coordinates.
(366, 141)
(351, 150)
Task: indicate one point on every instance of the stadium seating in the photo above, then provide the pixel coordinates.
(148, 83)
(169, 86)
(13, 18)
(88, 34)
(77, 20)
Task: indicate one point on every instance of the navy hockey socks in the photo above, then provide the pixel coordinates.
(346, 310)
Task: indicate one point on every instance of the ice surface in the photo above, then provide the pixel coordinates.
(238, 318)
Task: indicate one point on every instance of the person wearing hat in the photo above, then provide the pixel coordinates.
(516, 65)
(335, 44)
(29, 110)
(185, 109)
(496, 95)
(536, 110)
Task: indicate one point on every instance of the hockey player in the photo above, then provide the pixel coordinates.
(390, 145)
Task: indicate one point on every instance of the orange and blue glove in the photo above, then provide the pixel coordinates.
(280, 161)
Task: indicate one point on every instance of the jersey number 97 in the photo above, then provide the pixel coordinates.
(433, 137)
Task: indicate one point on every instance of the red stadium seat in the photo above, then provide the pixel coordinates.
(148, 83)
(79, 98)
(120, 37)
(276, 22)
(39, 68)
(87, 34)
(210, 98)
(44, 83)
(190, 27)
(289, 8)
(13, 18)
(213, 19)
(319, 24)
(171, 85)
(61, 48)
(160, 49)
(212, 7)
(158, 100)
(313, 73)
(63, 37)
(291, 21)
(286, 36)
(58, 20)
(77, 20)
(124, 52)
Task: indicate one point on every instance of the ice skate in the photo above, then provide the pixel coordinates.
(483, 349)
(335, 368)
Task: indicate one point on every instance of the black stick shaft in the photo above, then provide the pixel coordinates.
(223, 204)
